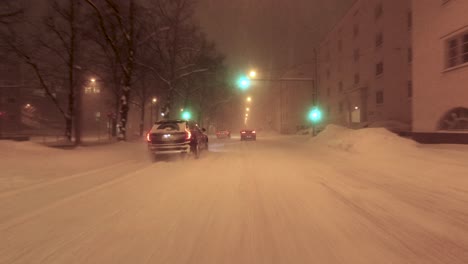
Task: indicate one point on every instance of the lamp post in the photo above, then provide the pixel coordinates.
(153, 103)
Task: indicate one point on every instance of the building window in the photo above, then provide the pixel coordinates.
(378, 11)
(379, 39)
(379, 69)
(410, 20)
(410, 55)
(356, 55)
(410, 89)
(356, 78)
(340, 86)
(356, 30)
(457, 50)
(379, 97)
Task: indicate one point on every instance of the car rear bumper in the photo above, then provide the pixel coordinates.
(248, 137)
(169, 148)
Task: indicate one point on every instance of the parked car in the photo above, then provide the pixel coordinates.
(248, 134)
(223, 134)
(176, 137)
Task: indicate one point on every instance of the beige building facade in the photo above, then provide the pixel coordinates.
(440, 70)
(365, 65)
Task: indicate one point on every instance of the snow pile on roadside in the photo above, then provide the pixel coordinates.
(391, 125)
(10, 148)
(368, 140)
(267, 133)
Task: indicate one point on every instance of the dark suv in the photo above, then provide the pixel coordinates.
(176, 137)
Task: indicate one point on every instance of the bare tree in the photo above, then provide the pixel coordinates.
(117, 23)
(53, 48)
(175, 44)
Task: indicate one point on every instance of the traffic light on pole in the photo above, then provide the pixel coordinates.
(186, 115)
(243, 82)
(315, 115)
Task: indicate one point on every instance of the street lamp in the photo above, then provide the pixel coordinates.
(253, 74)
(247, 109)
(93, 80)
(249, 99)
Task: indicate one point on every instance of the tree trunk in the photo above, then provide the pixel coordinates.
(124, 107)
(142, 118)
(68, 128)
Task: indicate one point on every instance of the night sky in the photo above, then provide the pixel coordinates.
(269, 34)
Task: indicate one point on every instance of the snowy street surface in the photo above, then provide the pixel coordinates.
(345, 196)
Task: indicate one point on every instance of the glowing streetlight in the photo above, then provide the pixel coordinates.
(249, 99)
(252, 74)
(247, 109)
(93, 80)
(154, 100)
(181, 109)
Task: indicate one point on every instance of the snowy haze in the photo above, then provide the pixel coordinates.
(345, 196)
(269, 34)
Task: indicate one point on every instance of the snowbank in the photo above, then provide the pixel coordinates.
(368, 140)
(391, 125)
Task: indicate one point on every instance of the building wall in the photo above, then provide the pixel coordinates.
(294, 98)
(437, 87)
(348, 58)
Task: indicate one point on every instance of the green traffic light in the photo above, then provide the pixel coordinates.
(243, 82)
(186, 115)
(315, 115)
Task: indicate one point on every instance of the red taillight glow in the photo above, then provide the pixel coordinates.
(243, 132)
(188, 134)
(148, 137)
(253, 132)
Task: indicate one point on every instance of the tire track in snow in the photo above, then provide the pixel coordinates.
(23, 217)
(59, 180)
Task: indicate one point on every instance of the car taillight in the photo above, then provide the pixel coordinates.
(148, 136)
(243, 132)
(188, 134)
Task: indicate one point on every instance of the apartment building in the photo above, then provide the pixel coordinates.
(440, 69)
(365, 65)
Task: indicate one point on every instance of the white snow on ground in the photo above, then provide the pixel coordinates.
(345, 196)
(25, 163)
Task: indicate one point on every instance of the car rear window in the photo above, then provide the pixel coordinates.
(171, 126)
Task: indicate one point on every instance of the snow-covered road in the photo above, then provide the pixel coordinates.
(277, 200)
